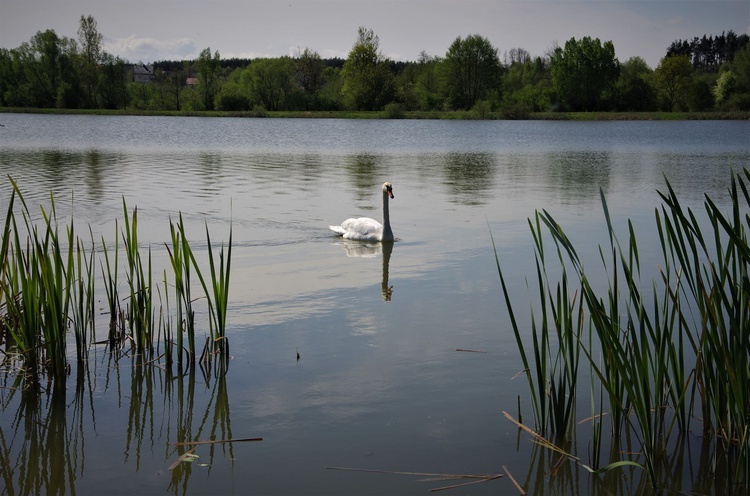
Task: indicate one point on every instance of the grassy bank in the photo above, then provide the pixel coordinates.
(436, 114)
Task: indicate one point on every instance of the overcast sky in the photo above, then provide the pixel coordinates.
(147, 31)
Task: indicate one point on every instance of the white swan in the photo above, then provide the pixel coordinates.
(366, 229)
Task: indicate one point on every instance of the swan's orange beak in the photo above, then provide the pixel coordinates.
(391, 193)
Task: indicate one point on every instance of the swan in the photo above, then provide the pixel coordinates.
(366, 229)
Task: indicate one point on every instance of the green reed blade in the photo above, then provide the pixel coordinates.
(535, 395)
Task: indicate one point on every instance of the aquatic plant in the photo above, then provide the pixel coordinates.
(554, 375)
(217, 293)
(180, 258)
(35, 290)
(715, 275)
(47, 288)
(140, 299)
(116, 327)
(657, 359)
(215, 288)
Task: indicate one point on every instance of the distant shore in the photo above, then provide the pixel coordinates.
(446, 115)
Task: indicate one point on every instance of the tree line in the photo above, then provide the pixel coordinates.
(703, 74)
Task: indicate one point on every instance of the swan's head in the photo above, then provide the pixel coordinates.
(388, 189)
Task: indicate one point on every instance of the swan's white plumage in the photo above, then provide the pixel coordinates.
(366, 229)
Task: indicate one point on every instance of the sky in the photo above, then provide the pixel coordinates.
(153, 30)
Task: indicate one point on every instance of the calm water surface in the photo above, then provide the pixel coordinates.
(379, 384)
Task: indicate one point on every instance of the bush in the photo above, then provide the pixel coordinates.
(260, 111)
(232, 102)
(481, 109)
(515, 111)
(393, 111)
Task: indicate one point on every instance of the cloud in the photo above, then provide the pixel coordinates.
(134, 49)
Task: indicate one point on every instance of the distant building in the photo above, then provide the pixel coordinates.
(143, 73)
(191, 81)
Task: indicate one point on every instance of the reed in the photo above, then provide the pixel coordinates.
(180, 255)
(48, 283)
(109, 272)
(217, 292)
(165, 323)
(715, 271)
(5, 295)
(83, 294)
(554, 349)
(36, 292)
(656, 358)
(140, 309)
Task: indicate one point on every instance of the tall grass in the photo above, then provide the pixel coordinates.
(217, 293)
(215, 288)
(109, 271)
(552, 372)
(37, 296)
(657, 359)
(83, 315)
(140, 298)
(715, 272)
(47, 289)
(180, 258)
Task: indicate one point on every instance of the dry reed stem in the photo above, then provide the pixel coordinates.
(432, 476)
(486, 479)
(519, 373)
(217, 441)
(182, 458)
(594, 417)
(513, 480)
(426, 474)
(541, 439)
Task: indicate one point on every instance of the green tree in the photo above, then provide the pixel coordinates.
(427, 86)
(309, 70)
(723, 88)
(735, 90)
(471, 71)
(169, 85)
(741, 69)
(15, 79)
(270, 81)
(40, 73)
(112, 88)
(584, 73)
(233, 96)
(208, 76)
(330, 96)
(699, 97)
(635, 92)
(405, 84)
(90, 41)
(7, 76)
(162, 94)
(527, 86)
(45, 65)
(367, 82)
(672, 77)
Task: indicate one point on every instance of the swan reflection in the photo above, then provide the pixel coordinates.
(371, 250)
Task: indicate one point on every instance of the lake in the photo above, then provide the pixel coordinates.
(392, 358)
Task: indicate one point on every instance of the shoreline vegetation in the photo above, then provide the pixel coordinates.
(473, 79)
(662, 365)
(398, 114)
(48, 292)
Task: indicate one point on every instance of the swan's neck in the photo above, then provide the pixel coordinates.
(387, 233)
